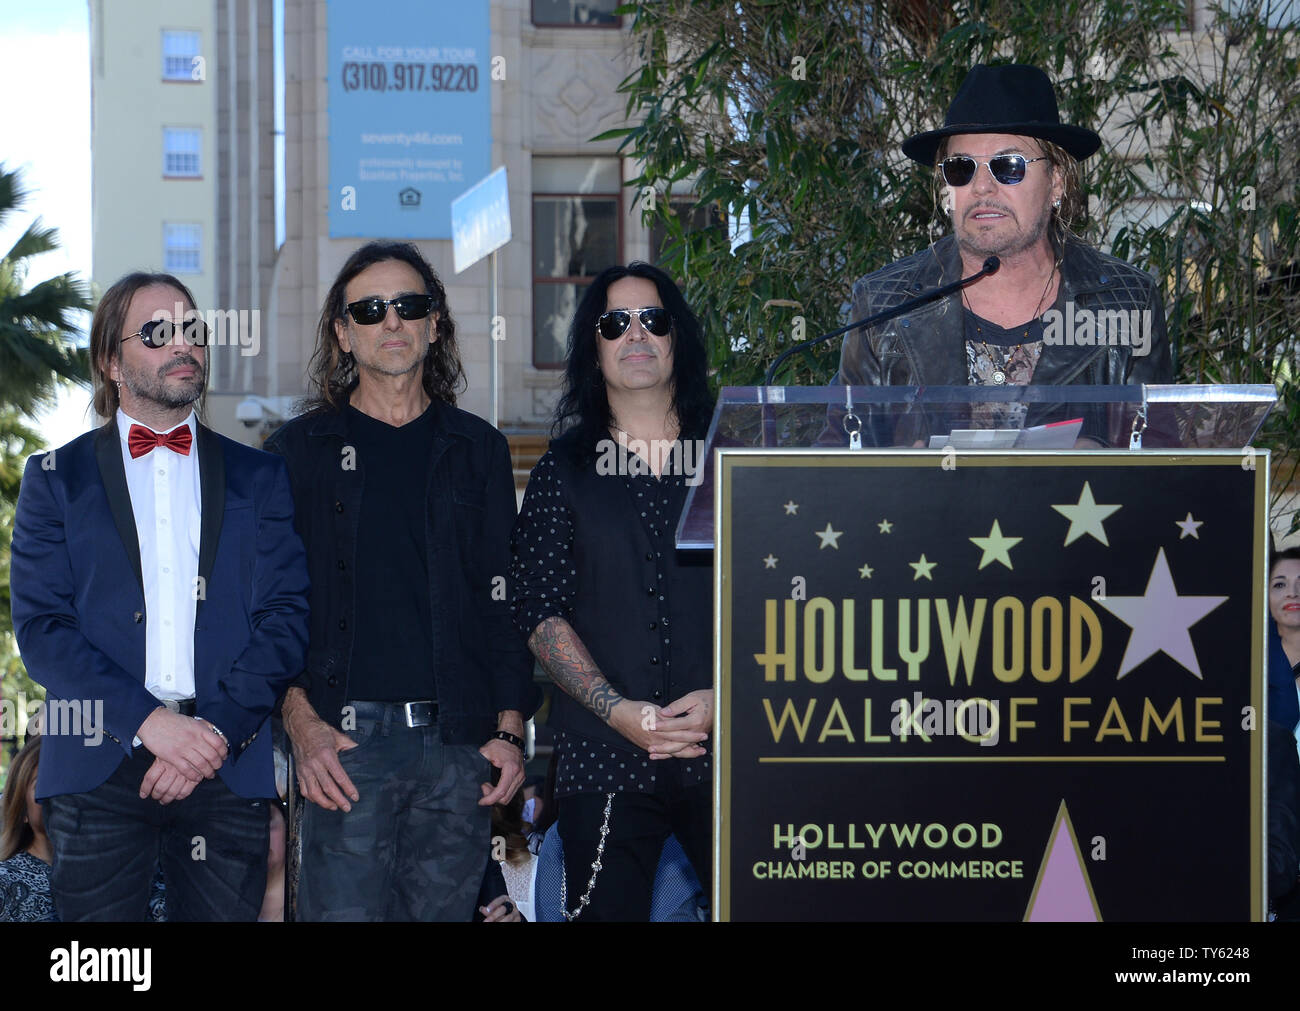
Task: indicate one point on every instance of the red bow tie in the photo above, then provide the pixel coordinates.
(141, 440)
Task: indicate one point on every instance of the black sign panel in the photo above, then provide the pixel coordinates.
(987, 686)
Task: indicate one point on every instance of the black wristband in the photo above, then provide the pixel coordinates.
(509, 738)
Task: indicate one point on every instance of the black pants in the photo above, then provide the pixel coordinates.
(638, 825)
(108, 844)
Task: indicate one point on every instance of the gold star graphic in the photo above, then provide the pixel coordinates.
(997, 548)
(830, 538)
(865, 572)
(1086, 517)
(885, 526)
(791, 508)
(923, 568)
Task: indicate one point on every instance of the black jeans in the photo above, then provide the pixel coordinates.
(414, 846)
(638, 825)
(108, 844)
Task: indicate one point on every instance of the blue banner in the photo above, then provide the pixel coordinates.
(409, 114)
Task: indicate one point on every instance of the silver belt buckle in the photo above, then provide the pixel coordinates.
(171, 704)
(414, 710)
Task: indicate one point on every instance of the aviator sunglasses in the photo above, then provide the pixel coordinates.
(158, 333)
(369, 311)
(1008, 169)
(654, 320)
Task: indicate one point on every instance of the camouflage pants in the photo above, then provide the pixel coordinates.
(416, 844)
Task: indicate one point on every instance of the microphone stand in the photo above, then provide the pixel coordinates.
(990, 267)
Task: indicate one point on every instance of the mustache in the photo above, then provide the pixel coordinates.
(1000, 208)
(187, 361)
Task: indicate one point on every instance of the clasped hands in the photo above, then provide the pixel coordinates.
(677, 730)
(186, 751)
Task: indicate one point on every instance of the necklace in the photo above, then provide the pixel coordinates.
(999, 372)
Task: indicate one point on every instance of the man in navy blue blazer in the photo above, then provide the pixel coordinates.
(160, 595)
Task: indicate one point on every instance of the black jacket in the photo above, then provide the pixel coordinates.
(480, 664)
(927, 346)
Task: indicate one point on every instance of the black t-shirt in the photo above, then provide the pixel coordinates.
(392, 647)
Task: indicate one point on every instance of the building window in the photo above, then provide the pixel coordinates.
(181, 248)
(179, 51)
(577, 233)
(182, 147)
(576, 13)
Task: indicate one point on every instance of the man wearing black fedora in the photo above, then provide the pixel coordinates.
(1055, 311)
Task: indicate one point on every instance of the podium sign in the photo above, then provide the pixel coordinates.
(990, 686)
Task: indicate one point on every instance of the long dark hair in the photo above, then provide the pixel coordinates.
(333, 373)
(106, 334)
(584, 406)
(1282, 555)
(15, 832)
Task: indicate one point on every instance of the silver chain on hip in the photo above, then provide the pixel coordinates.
(595, 870)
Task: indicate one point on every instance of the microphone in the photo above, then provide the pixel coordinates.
(990, 266)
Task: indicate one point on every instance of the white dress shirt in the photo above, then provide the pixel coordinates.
(167, 503)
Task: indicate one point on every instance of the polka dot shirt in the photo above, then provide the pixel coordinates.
(545, 578)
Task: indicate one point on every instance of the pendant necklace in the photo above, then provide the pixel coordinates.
(999, 374)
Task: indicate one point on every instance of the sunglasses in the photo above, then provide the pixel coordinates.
(654, 320)
(1008, 169)
(158, 333)
(369, 311)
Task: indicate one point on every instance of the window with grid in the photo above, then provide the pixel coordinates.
(181, 247)
(179, 48)
(576, 13)
(182, 147)
(577, 233)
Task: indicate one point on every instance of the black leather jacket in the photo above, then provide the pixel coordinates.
(927, 347)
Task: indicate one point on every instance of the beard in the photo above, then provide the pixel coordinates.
(1003, 242)
(153, 386)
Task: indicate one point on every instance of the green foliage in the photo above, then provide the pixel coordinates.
(791, 114)
(34, 323)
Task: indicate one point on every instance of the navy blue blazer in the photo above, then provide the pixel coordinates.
(79, 608)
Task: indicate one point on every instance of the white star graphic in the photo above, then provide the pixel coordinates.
(829, 537)
(1188, 527)
(996, 547)
(865, 572)
(923, 568)
(791, 507)
(885, 526)
(1085, 517)
(1160, 620)
(769, 562)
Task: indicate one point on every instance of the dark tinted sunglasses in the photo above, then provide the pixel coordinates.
(159, 333)
(1008, 169)
(369, 311)
(654, 319)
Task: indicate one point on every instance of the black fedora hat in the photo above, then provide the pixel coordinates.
(1011, 98)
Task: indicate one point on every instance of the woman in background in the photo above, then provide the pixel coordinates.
(25, 852)
(1284, 637)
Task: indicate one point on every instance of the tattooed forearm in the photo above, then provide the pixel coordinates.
(567, 662)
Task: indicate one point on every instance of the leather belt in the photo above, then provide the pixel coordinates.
(422, 713)
(186, 707)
